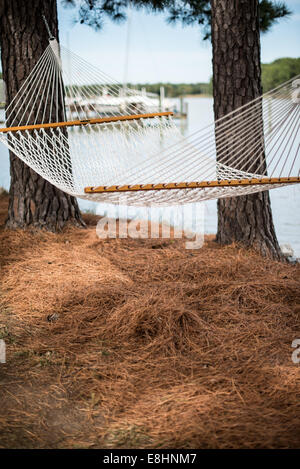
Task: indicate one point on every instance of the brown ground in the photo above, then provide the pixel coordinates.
(147, 348)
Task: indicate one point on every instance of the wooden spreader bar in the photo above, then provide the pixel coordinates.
(191, 185)
(102, 120)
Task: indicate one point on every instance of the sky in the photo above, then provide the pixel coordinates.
(161, 52)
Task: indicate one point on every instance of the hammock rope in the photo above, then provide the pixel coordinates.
(92, 138)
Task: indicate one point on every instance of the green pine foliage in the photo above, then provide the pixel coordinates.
(188, 12)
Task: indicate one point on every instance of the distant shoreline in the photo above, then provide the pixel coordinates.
(200, 95)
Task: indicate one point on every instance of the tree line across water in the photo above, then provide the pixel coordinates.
(279, 71)
(273, 74)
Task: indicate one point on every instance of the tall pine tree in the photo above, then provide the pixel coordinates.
(23, 38)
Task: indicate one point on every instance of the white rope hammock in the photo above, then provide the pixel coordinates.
(93, 139)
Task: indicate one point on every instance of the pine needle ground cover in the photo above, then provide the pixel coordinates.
(127, 343)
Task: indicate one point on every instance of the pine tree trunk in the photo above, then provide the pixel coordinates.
(23, 38)
(236, 81)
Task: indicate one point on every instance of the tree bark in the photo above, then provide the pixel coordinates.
(23, 38)
(236, 81)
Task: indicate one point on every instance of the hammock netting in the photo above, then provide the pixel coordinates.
(96, 139)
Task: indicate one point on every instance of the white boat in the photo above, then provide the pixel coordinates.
(108, 105)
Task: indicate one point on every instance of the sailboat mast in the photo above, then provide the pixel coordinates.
(128, 34)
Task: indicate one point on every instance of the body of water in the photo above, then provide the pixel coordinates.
(285, 201)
